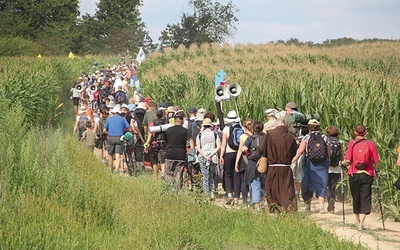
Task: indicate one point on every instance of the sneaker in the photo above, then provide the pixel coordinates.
(361, 227)
(331, 205)
(236, 203)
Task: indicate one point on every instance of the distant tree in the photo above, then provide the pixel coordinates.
(115, 27)
(211, 22)
(51, 23)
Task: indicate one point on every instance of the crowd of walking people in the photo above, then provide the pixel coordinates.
(303, 161)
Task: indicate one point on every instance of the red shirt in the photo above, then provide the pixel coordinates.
(372, 152)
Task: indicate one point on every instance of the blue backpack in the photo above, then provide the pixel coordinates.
(235, 132)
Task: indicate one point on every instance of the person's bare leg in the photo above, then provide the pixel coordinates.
(110, 162)
(155, 171)
(118, 166)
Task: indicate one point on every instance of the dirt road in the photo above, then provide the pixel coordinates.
(374, 237)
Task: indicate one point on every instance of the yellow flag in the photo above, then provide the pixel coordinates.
(71, 56)
(39, 56)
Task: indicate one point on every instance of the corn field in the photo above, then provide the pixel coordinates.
(345, 85)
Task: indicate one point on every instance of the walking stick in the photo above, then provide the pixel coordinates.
(342, 185)
(379, 200)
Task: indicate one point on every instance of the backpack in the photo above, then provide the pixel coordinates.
(81, 122)
(336, 151)
(160, 136)
(361, 155)
(255, 143)
(317, 149)
(121, 98)
(195, 128)
(139, 117)
(235, 131)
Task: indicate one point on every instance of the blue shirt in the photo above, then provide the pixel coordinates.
(116, 125)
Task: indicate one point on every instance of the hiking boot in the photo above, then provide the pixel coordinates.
(331, 205)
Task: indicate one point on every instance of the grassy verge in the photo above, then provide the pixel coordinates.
(56, 195)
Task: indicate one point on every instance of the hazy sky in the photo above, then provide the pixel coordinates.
(262, 21)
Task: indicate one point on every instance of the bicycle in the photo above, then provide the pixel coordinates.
(129, 156)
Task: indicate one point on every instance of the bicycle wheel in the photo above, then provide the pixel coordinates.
(129, 162)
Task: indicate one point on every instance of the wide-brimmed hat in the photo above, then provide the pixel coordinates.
(232, 117)
(200, 114)
(141, 105)
(207, 122)
(271, 112)
(116, 110)
(313, 122)
(171, 109)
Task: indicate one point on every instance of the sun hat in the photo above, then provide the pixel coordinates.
(200, 114)
(291, 105)
(232, 117)
(313, 122)
(192, 110)
(116, 110)
(141, 105)
(271, 112)
(124, 106)
(207, 122)
(171, 109)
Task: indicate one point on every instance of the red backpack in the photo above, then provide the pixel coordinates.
(361, 154)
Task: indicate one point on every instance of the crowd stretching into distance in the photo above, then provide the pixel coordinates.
(303, 161)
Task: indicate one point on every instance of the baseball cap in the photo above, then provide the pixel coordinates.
(291, 105)
(313, 122)
(192, 110)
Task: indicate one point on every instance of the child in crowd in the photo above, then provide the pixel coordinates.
(89, 136)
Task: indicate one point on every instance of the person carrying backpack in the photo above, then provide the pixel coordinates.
(230, 144)
(120, 96)
(207, 146)
(334, 166)
(315, 165)
(252, 176)
(155, 145)
(363, 158)
(80, 122)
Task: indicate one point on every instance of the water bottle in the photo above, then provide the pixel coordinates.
(207, 163)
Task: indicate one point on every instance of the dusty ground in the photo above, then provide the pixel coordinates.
(374, 237)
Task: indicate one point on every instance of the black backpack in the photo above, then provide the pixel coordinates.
(139, 117)
(255, 143)
(336, 151)
(121, 98)
(160, 136)
(235, 131)
(317, 150)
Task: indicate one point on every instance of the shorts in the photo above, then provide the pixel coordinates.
(157, 154)
(114, 145)
(75, 101)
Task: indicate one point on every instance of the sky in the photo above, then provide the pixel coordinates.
(263, 21)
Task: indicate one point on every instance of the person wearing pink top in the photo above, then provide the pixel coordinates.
(361, 179)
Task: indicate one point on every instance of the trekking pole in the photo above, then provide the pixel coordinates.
(342, 185)
(379, 200)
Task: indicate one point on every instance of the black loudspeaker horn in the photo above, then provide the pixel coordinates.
(93, 87)
(79, 87)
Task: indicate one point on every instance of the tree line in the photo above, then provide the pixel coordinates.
(56, 27)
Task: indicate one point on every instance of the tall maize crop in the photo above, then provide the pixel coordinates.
(345, 85)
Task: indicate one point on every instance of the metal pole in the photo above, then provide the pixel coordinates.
(342, 185)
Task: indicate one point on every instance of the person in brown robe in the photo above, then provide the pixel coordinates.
(279, 183)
